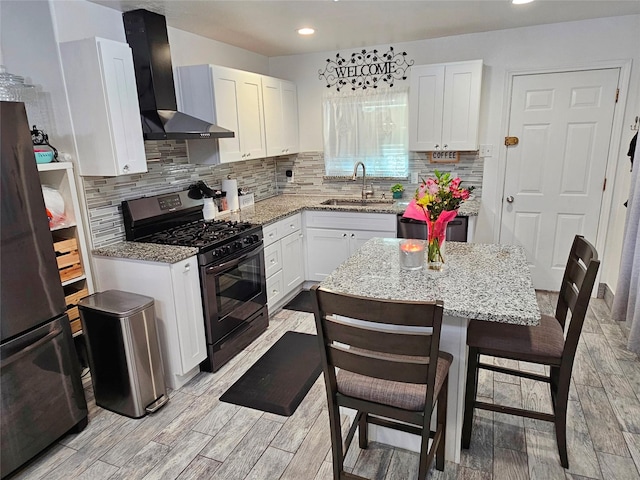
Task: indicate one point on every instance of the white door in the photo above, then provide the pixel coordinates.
(555, 174)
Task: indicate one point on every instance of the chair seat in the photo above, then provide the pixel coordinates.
(408, 396)
(538, 344)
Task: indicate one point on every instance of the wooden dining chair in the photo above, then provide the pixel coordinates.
(383, 373)
(544, 344)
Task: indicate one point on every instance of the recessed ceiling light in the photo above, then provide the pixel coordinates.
(306, 31)
(520, 2)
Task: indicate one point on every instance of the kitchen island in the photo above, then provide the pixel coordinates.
(481, 281)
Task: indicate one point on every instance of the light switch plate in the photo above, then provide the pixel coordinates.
(486, 150)
(414, 177)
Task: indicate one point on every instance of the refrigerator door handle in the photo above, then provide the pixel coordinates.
(25, 351)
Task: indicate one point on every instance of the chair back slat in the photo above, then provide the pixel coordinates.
(379, 311)
(371, 338)
(372, 365)
(575, 293)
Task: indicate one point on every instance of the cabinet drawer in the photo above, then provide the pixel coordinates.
(381, 222)
(273, 259)
(67, 258)
(275, 289)
(281, 228)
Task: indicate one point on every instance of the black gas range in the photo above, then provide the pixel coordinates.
(230, 262)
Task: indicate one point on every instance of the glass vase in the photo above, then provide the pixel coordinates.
(436, 236)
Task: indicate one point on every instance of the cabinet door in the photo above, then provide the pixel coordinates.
(121, 94)
(189, 316)
(290, 137)
(226, 93)
(461, 113)
(273, 127)
(359, 238)
(251, 128)
(326, 249)
(426, 107)
(292, 261)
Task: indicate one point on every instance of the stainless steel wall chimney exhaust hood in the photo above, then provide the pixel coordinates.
(146, 34)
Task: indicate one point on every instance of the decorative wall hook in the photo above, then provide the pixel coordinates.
(365, 69)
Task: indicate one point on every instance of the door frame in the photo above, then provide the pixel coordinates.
(614, 145)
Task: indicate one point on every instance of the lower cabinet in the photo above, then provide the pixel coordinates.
(333, 237)
(284, 260)
(175, 289)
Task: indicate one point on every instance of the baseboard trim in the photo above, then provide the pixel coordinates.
(607, 294)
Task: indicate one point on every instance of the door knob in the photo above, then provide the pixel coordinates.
(509, 199)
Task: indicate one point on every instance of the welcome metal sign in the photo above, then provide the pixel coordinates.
(365, 69)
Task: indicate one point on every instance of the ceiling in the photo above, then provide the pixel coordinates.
(268, 27)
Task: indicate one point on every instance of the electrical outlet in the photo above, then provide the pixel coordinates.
(486, 150)
(414, 177)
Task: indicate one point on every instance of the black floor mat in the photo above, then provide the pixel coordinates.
(301, 302)
(281, 378)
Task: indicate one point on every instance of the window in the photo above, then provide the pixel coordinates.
(370, 126)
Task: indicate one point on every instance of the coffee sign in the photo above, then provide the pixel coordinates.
(365, 69)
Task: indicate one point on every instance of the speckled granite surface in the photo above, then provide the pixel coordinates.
(275, 208)
(484, 282)
(150, 252)
(263, 213)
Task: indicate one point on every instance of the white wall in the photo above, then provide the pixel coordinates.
(553, 46)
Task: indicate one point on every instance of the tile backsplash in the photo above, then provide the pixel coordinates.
(170, 171)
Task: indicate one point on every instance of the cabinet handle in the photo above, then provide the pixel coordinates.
(344, 235)
(274, 291)
(445, 146)
(273, 261)
(301, 235)
(125, 169)
(248, 154)
(436, 147)
(187, 267)
(353, 235)
(293, 227)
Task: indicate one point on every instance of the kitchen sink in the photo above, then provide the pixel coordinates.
(354, 202)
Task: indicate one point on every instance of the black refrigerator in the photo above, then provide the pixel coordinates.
(41, 388)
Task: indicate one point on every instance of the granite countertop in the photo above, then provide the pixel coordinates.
(275, 208)
(265, 212)
(482, 281)
(149, 252)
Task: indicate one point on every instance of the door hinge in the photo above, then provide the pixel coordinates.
(509, 141)
(617, 94)
(604, 184)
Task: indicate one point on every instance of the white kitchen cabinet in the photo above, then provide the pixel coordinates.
(332, 237)
(284, 260)
(178, 306)
(103, 100)
(231, 99)
(444, 106)
(280, 116)
(69, 240)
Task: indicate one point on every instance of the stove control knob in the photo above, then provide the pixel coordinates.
(249, 240)
(237, 245)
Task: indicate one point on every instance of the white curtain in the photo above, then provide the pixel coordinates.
(626, 304)
(370, 126)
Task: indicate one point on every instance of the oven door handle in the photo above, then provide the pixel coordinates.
(234, 262)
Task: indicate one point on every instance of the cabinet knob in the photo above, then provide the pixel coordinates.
(436, 147)
(187, 267)
(344, 235)
(125, 169)
(273, 261)
(353, 235)
(444, 147)
(248, 154)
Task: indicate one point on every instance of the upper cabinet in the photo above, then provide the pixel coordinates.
(262, 111)
(444, 107)
(101, 88)
(231, 99)
(280, 116)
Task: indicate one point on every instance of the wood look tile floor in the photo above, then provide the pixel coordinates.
(195, 436)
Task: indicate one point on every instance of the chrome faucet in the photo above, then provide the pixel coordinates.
(365, 193)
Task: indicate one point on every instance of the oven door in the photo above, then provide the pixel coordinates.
(232, 292)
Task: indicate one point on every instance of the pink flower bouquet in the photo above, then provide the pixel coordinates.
(436, 202)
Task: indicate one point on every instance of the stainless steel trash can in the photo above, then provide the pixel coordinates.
(124, 354)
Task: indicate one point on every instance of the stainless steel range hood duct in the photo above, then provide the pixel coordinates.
(146, 34)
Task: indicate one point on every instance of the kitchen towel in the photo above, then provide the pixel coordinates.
(231, 187)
